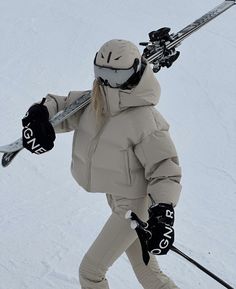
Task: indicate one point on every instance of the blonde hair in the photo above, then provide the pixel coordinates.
(97, 102)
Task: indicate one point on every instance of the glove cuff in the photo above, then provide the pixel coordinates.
(164, 213)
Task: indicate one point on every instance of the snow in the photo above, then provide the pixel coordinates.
(47, 222)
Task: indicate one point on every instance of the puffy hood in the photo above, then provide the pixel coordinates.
(147, 92)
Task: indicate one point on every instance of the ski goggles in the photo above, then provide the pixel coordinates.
(114, 77)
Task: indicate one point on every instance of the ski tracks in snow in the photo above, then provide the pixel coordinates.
(50, 226)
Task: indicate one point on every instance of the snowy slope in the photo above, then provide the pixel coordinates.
(46, 221)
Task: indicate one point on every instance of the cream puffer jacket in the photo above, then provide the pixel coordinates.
(130, 154)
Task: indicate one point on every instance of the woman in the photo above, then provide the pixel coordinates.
(121, 147)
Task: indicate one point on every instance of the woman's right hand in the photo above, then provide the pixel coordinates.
(38, 134)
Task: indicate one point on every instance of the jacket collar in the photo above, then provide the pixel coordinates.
(147, 92)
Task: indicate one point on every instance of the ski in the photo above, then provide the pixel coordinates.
(11, 150)
(162, 44)
(158, 51)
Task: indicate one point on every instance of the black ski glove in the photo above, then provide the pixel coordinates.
(157, 235)
(161, 220)
(38, 134)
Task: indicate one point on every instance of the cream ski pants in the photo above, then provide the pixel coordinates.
(116, 238)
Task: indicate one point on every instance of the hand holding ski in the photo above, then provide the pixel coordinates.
(11, 150)
(38, 134)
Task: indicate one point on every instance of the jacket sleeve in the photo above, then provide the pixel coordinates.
(158, 156)
(56, 103)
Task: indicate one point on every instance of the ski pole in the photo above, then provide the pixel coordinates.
(176, 250)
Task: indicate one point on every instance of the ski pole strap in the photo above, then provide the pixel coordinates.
(176, 250)
(142, 238)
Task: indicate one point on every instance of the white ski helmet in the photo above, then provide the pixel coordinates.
(116, 61)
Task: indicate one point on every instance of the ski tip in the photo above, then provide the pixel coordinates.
(7, 158)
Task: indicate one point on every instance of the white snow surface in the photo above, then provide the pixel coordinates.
(47, 222)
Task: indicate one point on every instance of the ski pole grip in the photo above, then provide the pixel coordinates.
(132, 216)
